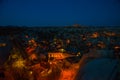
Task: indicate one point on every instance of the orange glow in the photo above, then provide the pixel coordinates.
(110, 33)
(67, 41)
(29, 50)
(32, 41)
(33, 57)
(59, 55)
(2, 44)
(101, 44)
(68, 74)
(117, 47)
(56, 55)
(95, 35)
(20, 63)
(31, 46)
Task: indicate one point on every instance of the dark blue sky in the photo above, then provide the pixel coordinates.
(60, 12)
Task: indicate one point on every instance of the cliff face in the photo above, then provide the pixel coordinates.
(98, 69)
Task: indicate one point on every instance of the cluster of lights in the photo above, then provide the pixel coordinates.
(20, 63)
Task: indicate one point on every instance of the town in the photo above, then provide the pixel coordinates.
(60, 53)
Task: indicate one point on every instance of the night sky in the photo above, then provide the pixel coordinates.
(60, 12)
